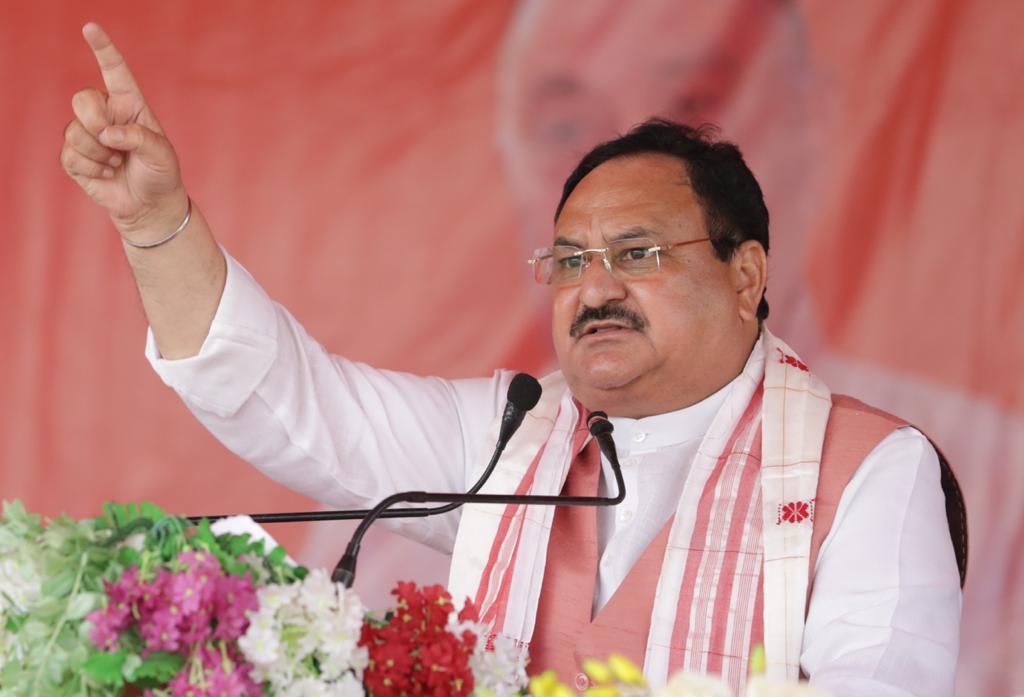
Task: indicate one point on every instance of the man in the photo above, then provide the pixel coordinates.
(743, 474)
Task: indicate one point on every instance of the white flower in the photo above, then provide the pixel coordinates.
(348, 686)
(303, 639)
(20, 584)
(691, 685)
(277, 595)
(503, 670)
(759, 687)
(319, 594)
(260, 644)
(338, 661)
(305, 687)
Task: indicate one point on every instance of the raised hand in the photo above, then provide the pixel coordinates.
(116, 150)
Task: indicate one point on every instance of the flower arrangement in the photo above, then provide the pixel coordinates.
(137, 601)
(141, 601)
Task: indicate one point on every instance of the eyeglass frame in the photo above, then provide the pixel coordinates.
(584, 253)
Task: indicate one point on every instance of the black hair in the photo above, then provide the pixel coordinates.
(730, 196)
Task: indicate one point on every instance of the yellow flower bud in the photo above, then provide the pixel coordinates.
(598, 672)
(624, 670)
(546, 685)
(601, 691)
(757, 660)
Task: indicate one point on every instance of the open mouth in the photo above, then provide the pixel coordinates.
(596, 328)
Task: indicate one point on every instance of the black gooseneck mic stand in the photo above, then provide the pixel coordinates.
(600, 428)
(523, 394)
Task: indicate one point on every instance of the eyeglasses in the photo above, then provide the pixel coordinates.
(635, 256)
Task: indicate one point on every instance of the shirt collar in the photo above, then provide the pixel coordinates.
(635, 436)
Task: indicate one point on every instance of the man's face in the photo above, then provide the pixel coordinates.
(669, 338)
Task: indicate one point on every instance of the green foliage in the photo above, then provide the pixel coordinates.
(106, 668)
(46, 645)
(158, 667)
(115, 669)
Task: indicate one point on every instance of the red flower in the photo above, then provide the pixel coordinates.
(469, 613)
(413, 654)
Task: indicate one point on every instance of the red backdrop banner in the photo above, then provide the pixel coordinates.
(384, 169)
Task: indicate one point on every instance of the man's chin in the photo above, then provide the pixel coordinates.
(603, 374)
(603, 382)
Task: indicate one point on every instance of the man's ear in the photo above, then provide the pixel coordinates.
(750, 274)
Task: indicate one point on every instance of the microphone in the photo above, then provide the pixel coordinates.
(598, 425)
(601, 429)
(523, 394)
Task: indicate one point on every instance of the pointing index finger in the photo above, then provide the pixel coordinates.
(116, 75)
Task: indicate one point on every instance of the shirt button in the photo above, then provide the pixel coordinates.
(626, 516)
(582, 681)
(639, 437)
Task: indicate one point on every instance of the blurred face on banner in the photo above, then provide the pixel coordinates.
(577, 74)
(637, 345)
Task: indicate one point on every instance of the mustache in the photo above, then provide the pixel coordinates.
(606, 312)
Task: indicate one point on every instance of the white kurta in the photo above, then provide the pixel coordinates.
(885, 610)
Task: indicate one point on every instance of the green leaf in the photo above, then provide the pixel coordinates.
(106, 668)
(204, 535)
(151, 511)
(160, 666)
(13, 622)
(236, 544)
(60, 584)
(131, 663)
(128, 556)
(118, 514)
(82, 604)
(276, 556)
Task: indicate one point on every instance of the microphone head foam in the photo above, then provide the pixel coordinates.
(524, 391)
(598, 423)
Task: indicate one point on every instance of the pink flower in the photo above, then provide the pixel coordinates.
(160, 630)
(127, 589)
(181, 686)
(108, 624)
(151, 594)
(234, 598)
(196, 628)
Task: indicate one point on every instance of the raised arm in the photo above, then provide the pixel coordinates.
(116, 150)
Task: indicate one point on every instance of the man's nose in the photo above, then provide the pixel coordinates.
(599, 284)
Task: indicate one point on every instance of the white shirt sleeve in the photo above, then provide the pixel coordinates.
(341, 432)
(884, 616)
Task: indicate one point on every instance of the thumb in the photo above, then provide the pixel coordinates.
(149, 145)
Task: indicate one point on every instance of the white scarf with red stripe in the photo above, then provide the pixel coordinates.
(500, 552)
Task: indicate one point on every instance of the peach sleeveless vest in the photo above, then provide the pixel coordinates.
(566, 634)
